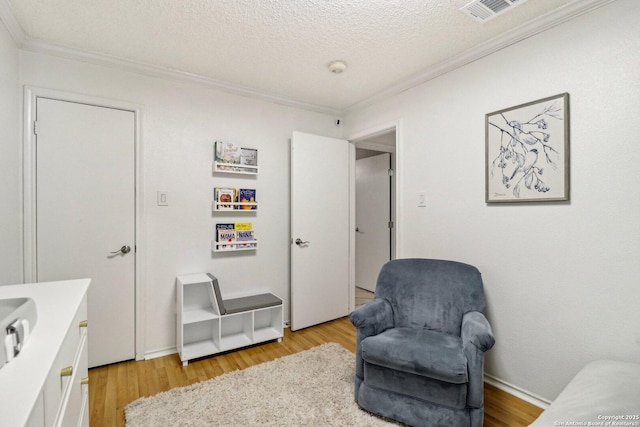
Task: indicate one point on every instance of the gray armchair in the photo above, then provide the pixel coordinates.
(420, 344)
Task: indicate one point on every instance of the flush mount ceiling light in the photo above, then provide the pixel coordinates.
(337, 67)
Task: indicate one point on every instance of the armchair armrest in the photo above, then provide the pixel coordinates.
(372, 318)
(477, 338)
(477, 331)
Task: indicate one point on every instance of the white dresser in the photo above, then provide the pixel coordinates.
(46, 385)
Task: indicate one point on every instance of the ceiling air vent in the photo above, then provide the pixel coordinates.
(485, 10)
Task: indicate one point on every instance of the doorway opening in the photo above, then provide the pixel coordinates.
(375, 213)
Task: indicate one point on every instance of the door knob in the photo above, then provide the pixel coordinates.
(123, 250)
(300, 242)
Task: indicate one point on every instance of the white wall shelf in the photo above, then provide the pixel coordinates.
(233, 168)
(250, 245)
(234, 236)
(206, 326)
(237, 207)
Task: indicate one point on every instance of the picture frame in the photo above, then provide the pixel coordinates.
(527, 152)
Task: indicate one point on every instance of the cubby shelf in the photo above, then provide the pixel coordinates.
(205, 327)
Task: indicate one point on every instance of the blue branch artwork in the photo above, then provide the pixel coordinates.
(526, 151)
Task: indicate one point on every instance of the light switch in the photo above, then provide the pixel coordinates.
(422, 200)
(163, 198)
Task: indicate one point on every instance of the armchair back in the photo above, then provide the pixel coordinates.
(431, 294)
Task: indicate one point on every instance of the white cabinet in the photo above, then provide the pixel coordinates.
(46, 385)
(207, 325)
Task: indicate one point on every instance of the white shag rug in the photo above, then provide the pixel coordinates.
(311, 388)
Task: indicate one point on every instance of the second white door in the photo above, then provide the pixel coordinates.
(373, 217)
(320, 229)
(85, 215)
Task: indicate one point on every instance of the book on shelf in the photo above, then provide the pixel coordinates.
(230, 157)
(227, 152)
(225, 233)
(245, 239)
(245, 236)
(247, 195)
(249, 156)
(225, 198)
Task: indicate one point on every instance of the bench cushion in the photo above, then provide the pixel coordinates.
(253, 302)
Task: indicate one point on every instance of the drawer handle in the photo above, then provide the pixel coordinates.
(66, 372)
(83, 323)
(85, 380)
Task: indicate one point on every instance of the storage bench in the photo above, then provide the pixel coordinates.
(207, 324)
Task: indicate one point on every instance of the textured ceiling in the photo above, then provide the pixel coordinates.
(275, 47)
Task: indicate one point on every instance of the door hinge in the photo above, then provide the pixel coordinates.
(390, 171)
(390, 224)
(35, 127)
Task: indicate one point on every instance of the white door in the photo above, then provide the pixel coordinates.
(85, 213)
(373, 214)
(320, 209)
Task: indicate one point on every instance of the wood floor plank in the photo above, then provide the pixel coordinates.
(112, 387)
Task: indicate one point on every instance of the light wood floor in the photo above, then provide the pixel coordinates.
(113, 387)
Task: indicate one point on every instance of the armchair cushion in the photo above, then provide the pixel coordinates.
(418, 351)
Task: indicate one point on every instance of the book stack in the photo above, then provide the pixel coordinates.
(229, 157)
(235, 236)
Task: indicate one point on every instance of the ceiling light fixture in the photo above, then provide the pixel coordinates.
(337, 67)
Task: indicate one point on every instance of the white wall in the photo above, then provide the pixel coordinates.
(562, 280)
(180, 122)
(10, 191)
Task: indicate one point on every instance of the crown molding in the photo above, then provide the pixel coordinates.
(533, 27)
(15, 30)
(167, 73)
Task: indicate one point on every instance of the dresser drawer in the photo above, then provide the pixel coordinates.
(65, 368)
(71, 408)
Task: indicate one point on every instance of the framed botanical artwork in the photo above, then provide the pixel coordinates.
(527, 152)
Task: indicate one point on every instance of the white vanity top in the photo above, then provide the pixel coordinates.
(22, 379)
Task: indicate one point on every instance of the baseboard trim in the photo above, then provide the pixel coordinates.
(160, 353)
(517, 392)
